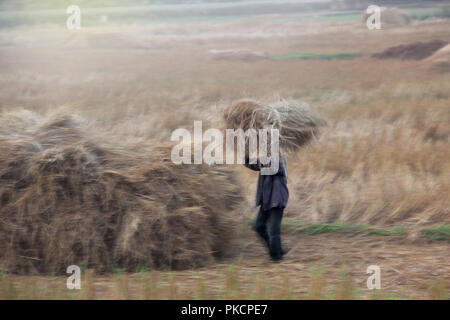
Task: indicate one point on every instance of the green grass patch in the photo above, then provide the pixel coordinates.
(387, 232)
(442, 13)
(314, 229)
(298, 226)
(421, 16)
(437, 233)
(294, 226)
(318, 56)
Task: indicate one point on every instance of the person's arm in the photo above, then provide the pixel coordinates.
(253, 166)
(257, 166)
(281, 167)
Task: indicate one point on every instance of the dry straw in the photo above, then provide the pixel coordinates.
(297, 124)
(67, 200)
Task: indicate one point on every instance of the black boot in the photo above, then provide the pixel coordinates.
(276, 253)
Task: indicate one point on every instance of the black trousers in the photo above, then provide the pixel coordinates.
(271, 219)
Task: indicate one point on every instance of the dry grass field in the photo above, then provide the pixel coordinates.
(373, 190)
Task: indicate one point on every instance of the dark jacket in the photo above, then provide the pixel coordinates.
(272, 191)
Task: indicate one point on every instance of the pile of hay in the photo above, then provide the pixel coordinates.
(239, 55)
(64, 200)
(390, 17)
(440, 60)
(297, 124)
(411, 51)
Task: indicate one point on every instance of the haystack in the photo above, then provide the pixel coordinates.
(67, 200)
(239, 55)
(390, 17)
(297, 124)
(440, 60)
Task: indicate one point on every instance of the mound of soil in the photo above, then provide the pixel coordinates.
(412, 51)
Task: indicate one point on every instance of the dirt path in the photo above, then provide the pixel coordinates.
(407, 271)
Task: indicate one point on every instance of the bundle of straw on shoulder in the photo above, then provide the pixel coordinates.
(297, 124)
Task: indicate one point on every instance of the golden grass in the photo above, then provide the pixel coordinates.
(382, 161)
(230, 282)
